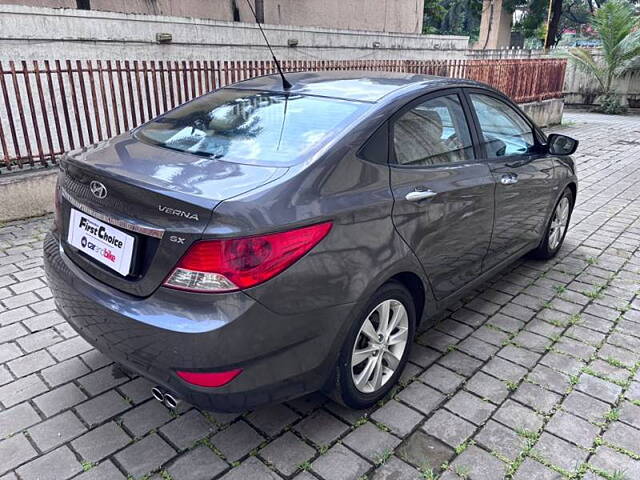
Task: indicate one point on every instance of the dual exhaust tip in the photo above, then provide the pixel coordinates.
(166, 398)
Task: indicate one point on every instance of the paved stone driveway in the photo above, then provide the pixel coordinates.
(533, 377)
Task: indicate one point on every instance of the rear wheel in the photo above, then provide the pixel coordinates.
(377, 347)
(556, 228)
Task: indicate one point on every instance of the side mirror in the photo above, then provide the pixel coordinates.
(561, 144)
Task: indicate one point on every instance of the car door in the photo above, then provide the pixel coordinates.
(443, 195)
(512, 148)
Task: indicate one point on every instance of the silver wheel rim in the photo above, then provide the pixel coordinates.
(380, 345)
(559, 223)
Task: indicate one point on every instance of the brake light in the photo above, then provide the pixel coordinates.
(209, 379)
(238, 263)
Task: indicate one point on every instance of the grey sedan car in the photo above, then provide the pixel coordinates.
(260, 243)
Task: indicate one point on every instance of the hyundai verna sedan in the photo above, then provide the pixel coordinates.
(257, 244)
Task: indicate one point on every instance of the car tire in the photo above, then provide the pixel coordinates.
(557, 227)
(378, 362)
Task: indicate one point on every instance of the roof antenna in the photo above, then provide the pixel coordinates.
(285, 84)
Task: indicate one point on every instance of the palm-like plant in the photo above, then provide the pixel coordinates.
(619, 31)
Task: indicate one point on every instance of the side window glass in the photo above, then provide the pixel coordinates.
(505, 132)
(433, 133)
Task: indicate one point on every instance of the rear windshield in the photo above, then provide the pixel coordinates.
(263, 128)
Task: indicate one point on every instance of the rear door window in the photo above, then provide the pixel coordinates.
(253, 127)
(433, 133)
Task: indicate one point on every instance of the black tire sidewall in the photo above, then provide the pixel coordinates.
(349, 394)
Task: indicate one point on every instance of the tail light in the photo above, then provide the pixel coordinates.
(238, 263)
(209, 379)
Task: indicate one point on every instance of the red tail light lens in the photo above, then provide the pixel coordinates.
(209, 379)
(234, 264)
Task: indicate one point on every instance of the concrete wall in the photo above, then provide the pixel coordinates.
(27, 194)
(581, 88)
(31, 33)
(404, 16)
(545, 113)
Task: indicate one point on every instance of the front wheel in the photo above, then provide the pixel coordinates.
(556, 228)
(376, 349)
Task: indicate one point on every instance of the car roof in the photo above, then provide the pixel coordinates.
(364, 86)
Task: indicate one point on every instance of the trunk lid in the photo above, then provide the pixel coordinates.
(162, 198)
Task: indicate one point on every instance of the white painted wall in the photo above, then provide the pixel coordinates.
(32, 33)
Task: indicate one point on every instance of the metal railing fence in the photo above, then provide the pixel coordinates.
(50, 107)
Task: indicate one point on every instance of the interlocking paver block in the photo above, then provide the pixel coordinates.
(536, 397)
(599, 388)
(198, 464)
(400, 419)
(101, 442)
(396, 469)
(422, 398)
(101, 408)
(530, 469)
(449, 428)
(560, 453)
(59, 399)
(610, 461)
(251, 469)
(424, 451)
(339, 463)
(573, 429)
(478, 464)
(287, 453)
(622, 435)
(518, 417)
(498, 438)
(630, 413)
(105, 470)
(59, 464)
(441, 379)
(487, 387)
(145, 455)
(236, 440)
(371, 442)
(16, 419)
(145, 417)
(56, 431)
(321, 428)
(272, 419)
(187, 429)
(470, 407)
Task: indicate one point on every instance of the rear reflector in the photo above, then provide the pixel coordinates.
(209, 379)
(237, 263)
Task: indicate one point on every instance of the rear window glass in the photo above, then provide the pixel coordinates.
(263, 128)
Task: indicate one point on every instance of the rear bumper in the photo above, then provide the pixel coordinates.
(282, 356)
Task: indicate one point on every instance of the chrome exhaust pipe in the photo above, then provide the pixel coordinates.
(170, 401)
(157, 394)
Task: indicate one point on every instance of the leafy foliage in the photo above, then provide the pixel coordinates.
(452, 17)
(619, 31)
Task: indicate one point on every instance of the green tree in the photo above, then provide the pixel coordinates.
(452, 17)
(619, 32)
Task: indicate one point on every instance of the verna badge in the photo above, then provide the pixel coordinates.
(98, 189)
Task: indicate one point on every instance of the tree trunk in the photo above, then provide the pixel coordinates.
(553, 23)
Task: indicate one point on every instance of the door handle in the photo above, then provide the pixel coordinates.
(418, 195)
(509, 178)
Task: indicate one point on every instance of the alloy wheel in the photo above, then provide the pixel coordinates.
(380, 345)
(559, 223)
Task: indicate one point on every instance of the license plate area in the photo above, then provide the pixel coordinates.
(102, 242)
